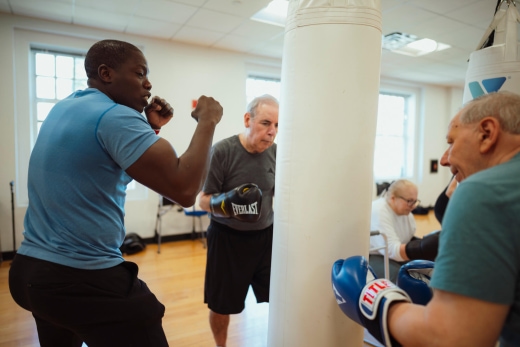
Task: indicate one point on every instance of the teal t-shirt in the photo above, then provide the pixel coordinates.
(479, 249)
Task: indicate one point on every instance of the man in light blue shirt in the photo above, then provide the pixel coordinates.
(69, 271)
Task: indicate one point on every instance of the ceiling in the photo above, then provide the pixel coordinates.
(226, 24)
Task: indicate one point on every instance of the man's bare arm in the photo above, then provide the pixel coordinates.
(180, 178)
(448, 320)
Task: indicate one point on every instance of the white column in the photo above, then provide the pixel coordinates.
(328, 111)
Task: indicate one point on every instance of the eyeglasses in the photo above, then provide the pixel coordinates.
(410, 202)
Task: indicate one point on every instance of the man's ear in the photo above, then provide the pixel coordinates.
(105, 73)
(488, 129)
(247, 119)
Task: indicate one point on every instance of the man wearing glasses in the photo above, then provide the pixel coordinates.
(392, 216)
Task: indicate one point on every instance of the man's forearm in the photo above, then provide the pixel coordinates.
(407, 324)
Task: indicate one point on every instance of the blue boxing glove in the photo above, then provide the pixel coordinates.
(414, 278)
(364, 298)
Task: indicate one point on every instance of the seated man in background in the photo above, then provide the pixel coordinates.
(392, 216)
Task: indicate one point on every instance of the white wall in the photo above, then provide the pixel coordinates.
(439, 106)
(435, 115)
(179, 73)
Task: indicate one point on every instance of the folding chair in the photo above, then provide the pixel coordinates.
(165, 205)
(385, 247)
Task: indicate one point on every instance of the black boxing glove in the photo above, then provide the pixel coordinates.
(243, 203)
(425, 248)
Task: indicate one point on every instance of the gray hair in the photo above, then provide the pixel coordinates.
(504, 106)
(260, 100)
(397, 187)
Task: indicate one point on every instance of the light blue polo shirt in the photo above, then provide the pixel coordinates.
(77, 180)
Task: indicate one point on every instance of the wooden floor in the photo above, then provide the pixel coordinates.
(176, 276)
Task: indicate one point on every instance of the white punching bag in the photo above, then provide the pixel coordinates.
(496, 67)
(324, 165)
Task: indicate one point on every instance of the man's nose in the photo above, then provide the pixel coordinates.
(444, 159)
(148, 84)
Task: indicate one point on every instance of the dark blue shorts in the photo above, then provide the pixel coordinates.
(236, 260)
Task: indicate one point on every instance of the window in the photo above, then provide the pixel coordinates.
(56, 76)
(394, 147)
(256, 86)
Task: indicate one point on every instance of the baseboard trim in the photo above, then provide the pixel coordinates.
(176, 237)
(4, 256)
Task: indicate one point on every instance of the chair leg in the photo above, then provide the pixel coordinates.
(158, 225)
(202, 234)
(161, 210)
(193, 230)
(159, 236)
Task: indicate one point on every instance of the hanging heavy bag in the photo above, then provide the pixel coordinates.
(132, 244)
(496, 67)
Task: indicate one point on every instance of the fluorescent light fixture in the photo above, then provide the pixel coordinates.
(411, 45)
(275, 13)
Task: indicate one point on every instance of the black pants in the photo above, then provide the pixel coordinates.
(103, 308)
